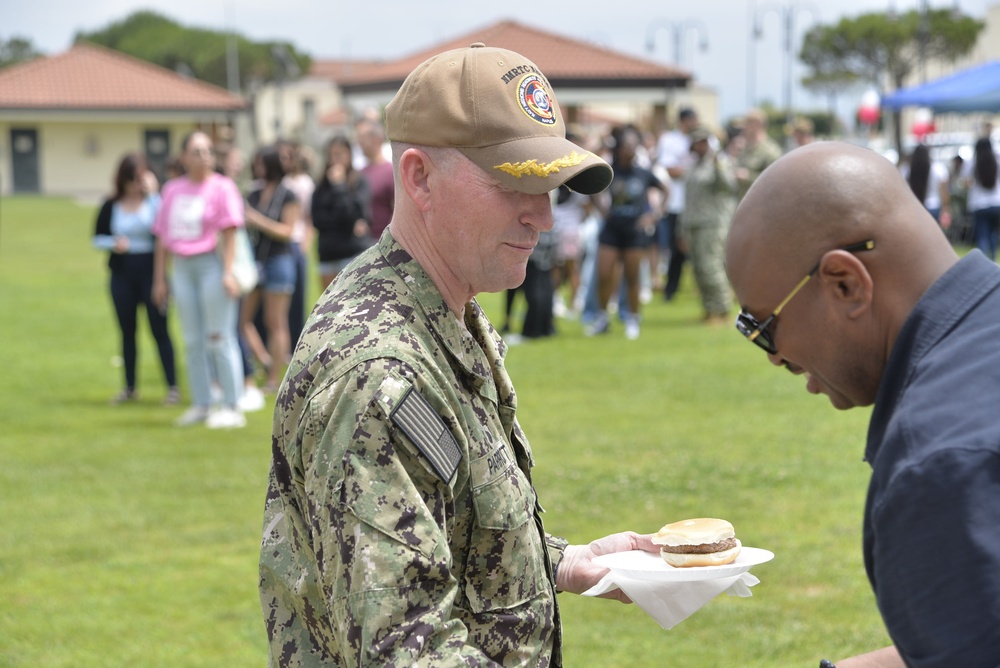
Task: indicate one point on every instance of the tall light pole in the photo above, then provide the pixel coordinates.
(923, 32)
(232, 50)
(679, 30)
(751, 52)
(786, 14)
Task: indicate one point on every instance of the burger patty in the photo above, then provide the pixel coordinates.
(705, 548)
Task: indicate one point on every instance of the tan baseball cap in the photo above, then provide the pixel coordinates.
(497, 108)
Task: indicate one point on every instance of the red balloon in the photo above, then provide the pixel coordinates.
(868, 115)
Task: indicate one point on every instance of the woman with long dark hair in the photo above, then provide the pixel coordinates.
(630, 211)
(125, 228)
(341, 211)
(984, 197)
(271, 216)
(928, 180)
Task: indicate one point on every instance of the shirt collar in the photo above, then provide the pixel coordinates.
(939, 310)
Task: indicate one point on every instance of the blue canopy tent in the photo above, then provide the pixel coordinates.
(971, 90)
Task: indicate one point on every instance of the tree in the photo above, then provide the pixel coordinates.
(155, 38)
(16, 50)
(885, 49)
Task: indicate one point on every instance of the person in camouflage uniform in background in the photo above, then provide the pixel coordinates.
(401, 527)
(759, 150)
(709, 205)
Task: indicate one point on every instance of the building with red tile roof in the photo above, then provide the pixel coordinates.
(66, 120)
(566, 62)
(590, 81)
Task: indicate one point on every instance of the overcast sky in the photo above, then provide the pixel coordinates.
(392, 28)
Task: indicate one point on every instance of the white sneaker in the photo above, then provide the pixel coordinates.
(192, 416)
(226, 418)
(513, 339)
(216, 395)
(632, 328)
(252, 399)
(599, 325)
(559, 309)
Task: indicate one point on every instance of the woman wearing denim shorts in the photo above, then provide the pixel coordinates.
(271, 214)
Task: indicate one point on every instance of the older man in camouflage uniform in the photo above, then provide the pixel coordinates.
(401, 527)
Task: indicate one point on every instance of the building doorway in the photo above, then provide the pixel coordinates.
(157, 149)
(24, 159)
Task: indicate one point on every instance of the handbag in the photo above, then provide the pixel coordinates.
(244, 268)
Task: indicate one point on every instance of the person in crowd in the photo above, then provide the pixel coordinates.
(631, 211)
(674, 155)
(758, 150)
(710, 200)
(271, 215)
(229, 162)
(175, 167)
(983, 198)
(569, 211)
(194, 232)
(377, 172)
(539, 292)
(847, 280)
(124, 227)
(401, 526)
(960, 231)
(803, 132)
(297, 159)
(340, 211)
(928, 180)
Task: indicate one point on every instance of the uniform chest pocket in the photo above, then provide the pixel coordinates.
(501, 494)
(505, 566)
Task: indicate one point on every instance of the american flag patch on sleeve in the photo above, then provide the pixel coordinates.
(418, 420)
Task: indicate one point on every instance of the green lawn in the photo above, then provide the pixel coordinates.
(128, 542)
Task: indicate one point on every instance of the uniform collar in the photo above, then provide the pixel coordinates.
(475, 345)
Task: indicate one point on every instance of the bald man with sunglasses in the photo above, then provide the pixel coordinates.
(846, 280)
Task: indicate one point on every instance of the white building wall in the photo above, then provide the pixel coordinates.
(280, 111)
(79, 153)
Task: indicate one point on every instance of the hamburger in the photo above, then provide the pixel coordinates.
(705, 541)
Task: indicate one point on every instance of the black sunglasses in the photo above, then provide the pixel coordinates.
(758, 332)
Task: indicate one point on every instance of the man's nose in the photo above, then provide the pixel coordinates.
(539, 214)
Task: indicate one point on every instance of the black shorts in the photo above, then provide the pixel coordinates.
(625, 235)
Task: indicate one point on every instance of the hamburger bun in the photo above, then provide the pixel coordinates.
(703, 541)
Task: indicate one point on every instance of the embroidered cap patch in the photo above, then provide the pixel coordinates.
(535, 101)
(535, 168)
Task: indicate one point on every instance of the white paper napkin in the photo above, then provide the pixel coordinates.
(670, 603)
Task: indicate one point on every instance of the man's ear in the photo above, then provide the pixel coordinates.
(848, 281)
(415, 168)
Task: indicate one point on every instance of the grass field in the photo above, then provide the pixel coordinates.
(127, 542)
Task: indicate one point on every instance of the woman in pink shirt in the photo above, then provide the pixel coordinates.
(199, 213)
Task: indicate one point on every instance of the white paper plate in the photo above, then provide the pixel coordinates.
(640, 565)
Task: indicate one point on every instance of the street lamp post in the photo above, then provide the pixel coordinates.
(786, 14)
(751, 65)
(679, 30)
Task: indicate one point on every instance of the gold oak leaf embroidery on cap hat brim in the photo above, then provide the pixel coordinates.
(534, 168)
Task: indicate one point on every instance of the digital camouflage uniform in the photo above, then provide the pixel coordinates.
(709, 205)
(755, 159)
(401, 527)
